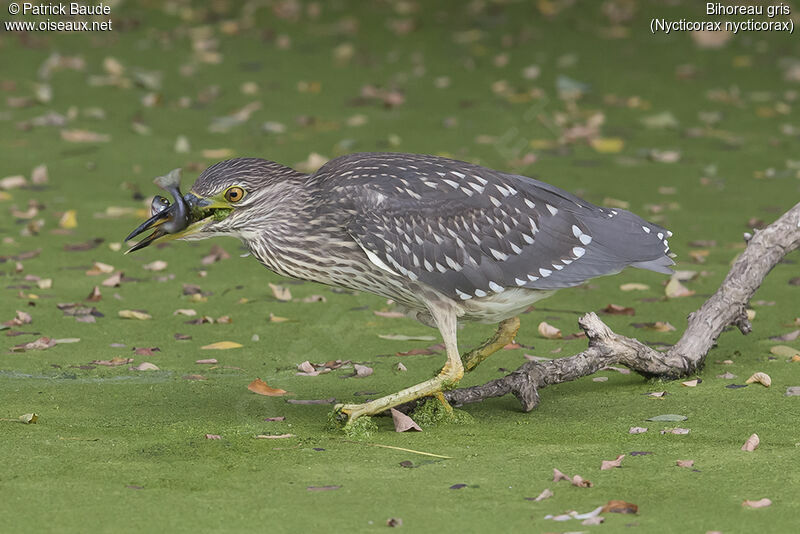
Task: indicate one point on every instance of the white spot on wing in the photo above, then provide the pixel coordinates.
(530, 204)
(585, 239)
(646, 229)
(520, 282)
(495, 201)
(578, 251)
(497, 288)
(551, 209)
(532, 278)
(545, 272)
(480, 293)
(499, 256)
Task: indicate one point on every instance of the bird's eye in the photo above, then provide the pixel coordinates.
(234, 194)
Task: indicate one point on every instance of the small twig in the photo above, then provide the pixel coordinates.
(399, 449)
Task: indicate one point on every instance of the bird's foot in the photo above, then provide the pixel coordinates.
(354, 421)
(505, 334)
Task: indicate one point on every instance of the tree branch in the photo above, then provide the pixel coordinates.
(726, 307)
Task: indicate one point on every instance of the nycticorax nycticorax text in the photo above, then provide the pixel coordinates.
(445, 239)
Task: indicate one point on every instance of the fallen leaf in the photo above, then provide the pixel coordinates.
(675, 289)
(311, 401)
(314, 298)
(761, 503)
(113, 362)
(145, 366)
(600, 379)
(222, 345)
(394, 522)
(273, 419)
(611, 464)
(390, 315)
(634, 287)
(791, 336)
(134, 314)
(194, 377)
(607, 145)
(402, 422)
(95, 295)
(596, 520)
(69, 220)
(217, 253)
(84, 136)
(276, 319)
(39, 174)
(637, 430)
(209, 361)
(28, 418)
(761, 378)
(155, 266)
(213, 436)
(185, 311)
(690, 383)
(558, 475)
(548, 331)
(400, 367)
(620, 507)
(112, 281)
(277, 436)
(678, 431)
(545, 494)
(616, 309)
(145, 351)
(659, 326)
(19, 319)
(669, 417)
(752, 443)
(727, 375)
(39, 344)
(684, 463)
(793, 391)
(362, 370)
(281, 293)
(260, 387)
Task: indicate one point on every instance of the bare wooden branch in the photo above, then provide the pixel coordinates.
(765, 248)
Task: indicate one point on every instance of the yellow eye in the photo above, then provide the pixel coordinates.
(234, 194)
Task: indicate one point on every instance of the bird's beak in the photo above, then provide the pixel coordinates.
(186, 216)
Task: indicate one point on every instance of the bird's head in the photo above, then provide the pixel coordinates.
(237, 197)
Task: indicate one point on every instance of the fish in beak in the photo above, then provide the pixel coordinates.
(186, 215)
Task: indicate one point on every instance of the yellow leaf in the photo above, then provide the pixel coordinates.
(275, 319)
(68, 220)
(222, 345)
(281, 293)
(608, 145)
(133, 314)
(634, 287)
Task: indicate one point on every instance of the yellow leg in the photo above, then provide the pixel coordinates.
(445, 318)
(506, 332)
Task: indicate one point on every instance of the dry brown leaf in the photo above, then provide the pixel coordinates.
(637, 430)
(558, 475)
(95, 295)
(580, 482)
(620, 507)
(134, 314)
(260, 387)
(727, 375)
(401, 367)
(39, 344)
(545, 494)
(217, 253)
(684, 463)
(761, 503)
(222, 345)
(185, 311)
(791, 336)
(402, 422)
(690, 383)
(276, 319)
(660, 326)
(752, 443)
(761, 378)
(657, 394)
(611, 464)
(213, 436)
(679, 431)
(549, 331)
(616, 309)
(279, 436)
(207, 361)
(675, 289)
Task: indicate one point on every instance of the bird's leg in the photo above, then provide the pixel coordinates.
(505, 334)
(451, 373)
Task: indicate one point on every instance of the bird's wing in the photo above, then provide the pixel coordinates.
(469, 231)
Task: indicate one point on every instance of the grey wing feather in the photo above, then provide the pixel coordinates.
(469, 231)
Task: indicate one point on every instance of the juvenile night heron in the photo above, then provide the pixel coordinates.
(445, 239)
